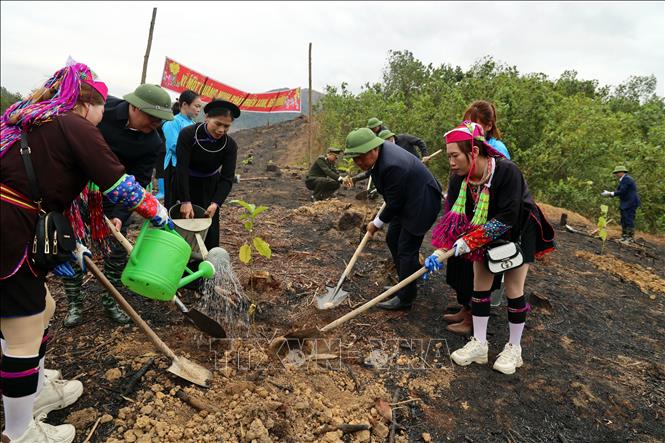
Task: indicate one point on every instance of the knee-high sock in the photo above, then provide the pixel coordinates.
(480, 310)
(42, 354)
(517, 309)
(18, 381)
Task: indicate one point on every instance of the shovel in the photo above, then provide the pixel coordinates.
(180, 366)
(302, 334)
(333, 297)
(199, 319)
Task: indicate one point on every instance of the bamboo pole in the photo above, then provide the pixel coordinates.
(147, 50)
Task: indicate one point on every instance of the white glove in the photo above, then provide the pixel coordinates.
(607, 194)
(461, 247)
(78, 253)
(162, 219)
(340, 179)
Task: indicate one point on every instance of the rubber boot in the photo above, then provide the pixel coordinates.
(74, 298)
(113, 311)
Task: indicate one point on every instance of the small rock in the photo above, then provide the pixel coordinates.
(113, 374)
(363, 436)
(380, 430)
(105, 418)
(147, 410)
(426, 437)
(129, 436)
(156, 388)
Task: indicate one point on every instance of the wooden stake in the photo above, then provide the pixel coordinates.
(147, 51)
(309, 108)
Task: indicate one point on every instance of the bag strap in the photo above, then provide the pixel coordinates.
(32, 178)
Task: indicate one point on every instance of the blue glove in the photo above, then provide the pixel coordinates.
(77, 256)
(64, 270)
(161, 219)
(432, 264)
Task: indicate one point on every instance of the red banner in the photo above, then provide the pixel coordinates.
(178, 78)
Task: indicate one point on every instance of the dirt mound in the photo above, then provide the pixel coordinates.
(644, 278)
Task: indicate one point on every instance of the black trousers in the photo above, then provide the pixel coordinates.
(404, 247)
(169, 187)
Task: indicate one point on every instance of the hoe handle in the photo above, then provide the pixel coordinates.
(359, 310)
(128, 309)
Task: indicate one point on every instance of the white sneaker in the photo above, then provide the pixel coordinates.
(39, 432)
(472, 352)
(509, 359)
(52, 374)
(56, 394)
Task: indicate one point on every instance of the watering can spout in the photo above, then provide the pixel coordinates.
(206, 270)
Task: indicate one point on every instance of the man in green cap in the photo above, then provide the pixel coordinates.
(375, 125)
(413, 201)
(629, 201)
(407, 142)
(323, 177)
(129, 126)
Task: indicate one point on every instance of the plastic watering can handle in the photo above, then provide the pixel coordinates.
(139, 240)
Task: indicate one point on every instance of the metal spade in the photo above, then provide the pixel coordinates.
(335, 296)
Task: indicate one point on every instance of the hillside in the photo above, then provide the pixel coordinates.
(594, 366)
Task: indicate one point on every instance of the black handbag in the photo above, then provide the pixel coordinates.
(54, 239)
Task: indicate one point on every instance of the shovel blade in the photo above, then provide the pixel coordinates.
(190, 371)
(205, 323)
(331, 299)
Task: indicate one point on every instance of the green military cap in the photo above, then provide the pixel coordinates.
(361, 141)
(386, 134)
(374, 122)
(152, 100)
(619, 168)
(334, 150)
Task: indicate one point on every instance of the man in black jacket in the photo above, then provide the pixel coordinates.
(408, 142)
(629, 202)
(129, 127)
(413, 201)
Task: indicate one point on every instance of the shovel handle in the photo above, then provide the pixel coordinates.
(359, 310)
(433, 155)
(128, 247)
(356, 254)
(128, 309)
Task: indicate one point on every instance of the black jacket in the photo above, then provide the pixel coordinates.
(410, 143)
(411, 193)
(136, 151)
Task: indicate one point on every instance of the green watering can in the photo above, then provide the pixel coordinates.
(157, 262)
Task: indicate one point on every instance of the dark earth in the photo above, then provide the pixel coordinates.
(594, 363)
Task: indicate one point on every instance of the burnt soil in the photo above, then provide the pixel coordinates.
(594, 366)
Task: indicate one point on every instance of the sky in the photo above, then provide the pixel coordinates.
(259, 46)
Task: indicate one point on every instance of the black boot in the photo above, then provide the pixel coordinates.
(395, 304)
(113, 311)
(74, 298)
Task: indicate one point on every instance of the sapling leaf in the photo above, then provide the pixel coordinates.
(245, 253)
(262, 247)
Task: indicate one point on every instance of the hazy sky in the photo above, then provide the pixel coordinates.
(258, 46)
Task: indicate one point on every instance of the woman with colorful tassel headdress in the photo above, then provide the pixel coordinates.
(488, 199)
(66, 150)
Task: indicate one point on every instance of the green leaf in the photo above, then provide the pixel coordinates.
(248, 225)
(259, 210)
(262, 246)
(245, 253)
(602, 222)
(602, 234)
(244, 204)
(604, 209)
